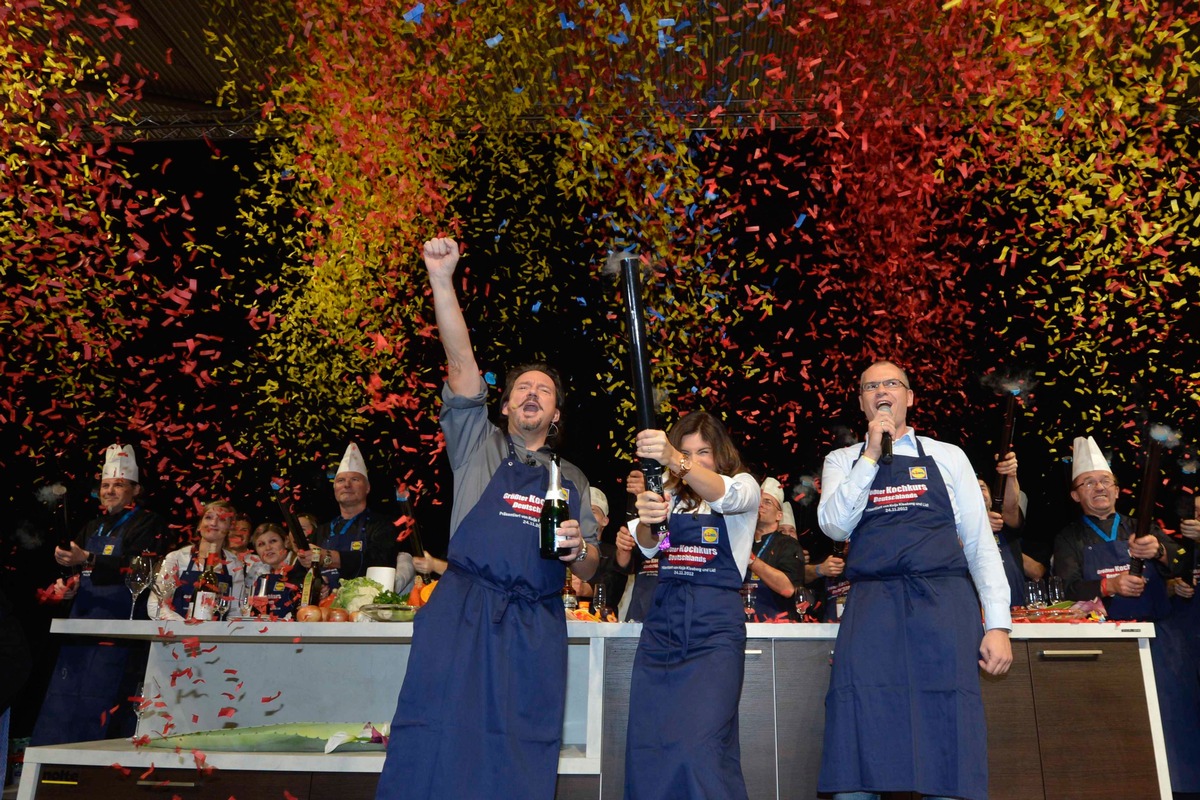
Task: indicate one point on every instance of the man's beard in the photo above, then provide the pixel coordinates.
(529, 426)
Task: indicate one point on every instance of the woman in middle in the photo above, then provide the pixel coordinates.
(171, 597)
(276, 578)
(682, 740)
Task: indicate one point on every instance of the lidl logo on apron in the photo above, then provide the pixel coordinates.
(108, 549)
(711, 535)
(356, 545)
(917, 474)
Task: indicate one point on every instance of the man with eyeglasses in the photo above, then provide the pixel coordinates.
(1092, 553)
(904, 711)
(1092, 556)
(776, 560)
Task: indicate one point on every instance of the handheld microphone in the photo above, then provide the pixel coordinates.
(886, 443)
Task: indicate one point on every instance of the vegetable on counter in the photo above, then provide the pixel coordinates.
(287, 737)
(356, 593)
(390, 599)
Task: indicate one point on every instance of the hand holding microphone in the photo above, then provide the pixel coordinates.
(885, 442)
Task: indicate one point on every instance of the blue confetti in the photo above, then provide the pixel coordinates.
(495, 40)
(1058, 114)
(537, 306)
(666, 23)
(800, 220)
(489, 378)
(625, 13)
(618, 38)
(564, 22)
(415, 14)
(582, 301)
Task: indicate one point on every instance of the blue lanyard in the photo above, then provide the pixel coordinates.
(765, 543)
(338, 534)
(1112, 534)
(129, 513)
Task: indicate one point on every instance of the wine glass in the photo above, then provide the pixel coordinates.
(138, 578)
(1035, 595)
(748, 592)
(224, 601)
(804, 602)
(1055, 592)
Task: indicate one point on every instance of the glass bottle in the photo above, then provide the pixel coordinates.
(554, 513)
(206, 591)
(310, 591)
(570, 600)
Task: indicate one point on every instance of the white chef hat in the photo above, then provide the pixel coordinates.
(598, 499)
(119, 463)
(771, 487)
(1086, 457)
(353, 461)
(789, 518)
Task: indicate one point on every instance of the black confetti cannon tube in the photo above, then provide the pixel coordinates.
(289, 516)
(1006, 435)
(1146, 501)
(639, 363)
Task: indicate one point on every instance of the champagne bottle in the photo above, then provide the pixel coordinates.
(570, 599)
(310, 591)
(207, 589)
(554, 513)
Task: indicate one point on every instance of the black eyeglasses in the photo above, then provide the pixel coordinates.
(890, 383)
(1093, 483)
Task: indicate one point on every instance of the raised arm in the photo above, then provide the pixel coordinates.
(1011, 509)
(462, 373)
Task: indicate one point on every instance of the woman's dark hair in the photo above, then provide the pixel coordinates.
(725, 456)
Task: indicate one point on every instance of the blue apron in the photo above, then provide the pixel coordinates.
(87, 680)
(682, 739)
(644, 585)
(481, 710)
(835, 589)
(281, 591)
(1175, 668)
(185, 586)
(1104, 558)
(351, 535)
(767, 605)
(1175, 651)
(1008, 542)
(904, 710)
